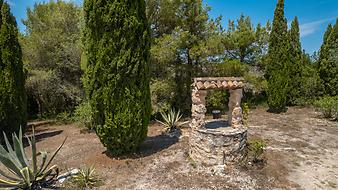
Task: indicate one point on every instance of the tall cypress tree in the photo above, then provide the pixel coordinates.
(12, 91)
(328, 62)
(276, 69)
(294, 63)
(117, 42)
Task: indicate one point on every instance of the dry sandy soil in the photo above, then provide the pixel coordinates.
(302, 153)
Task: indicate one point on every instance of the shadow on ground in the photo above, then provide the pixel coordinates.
(40, 136)
(150, 146)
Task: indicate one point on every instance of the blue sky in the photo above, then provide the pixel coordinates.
(313, 15)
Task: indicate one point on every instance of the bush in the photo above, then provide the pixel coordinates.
(255, 89)
(162, 94)
(50, 96)
(64, 117)
(310, 88)
(256, 149)
(254, 152)
(328, 106)
(246, 111)
(83, 115)
(217, 99)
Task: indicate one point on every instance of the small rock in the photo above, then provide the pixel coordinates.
(61, 178)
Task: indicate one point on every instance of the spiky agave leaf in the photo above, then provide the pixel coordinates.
(54, 154)
(19, 150)
(86, 177)
(171, 119)
(32, 144)
(8, 160)
(26, 173)
(16, 162)
(9, 183)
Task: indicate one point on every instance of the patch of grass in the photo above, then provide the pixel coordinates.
(192, 162)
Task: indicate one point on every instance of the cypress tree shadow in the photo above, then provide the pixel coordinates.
(40, 136)
(150, 146)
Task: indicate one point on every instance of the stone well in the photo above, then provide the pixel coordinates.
(217, 142)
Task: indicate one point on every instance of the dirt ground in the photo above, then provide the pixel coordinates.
(302, 153)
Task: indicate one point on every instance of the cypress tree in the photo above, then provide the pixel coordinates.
(328, 61)
(117, 43)
(294, 63)
(12, 91)
(276, 69)
(323, 54)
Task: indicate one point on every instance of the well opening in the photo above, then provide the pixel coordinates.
(216, 103)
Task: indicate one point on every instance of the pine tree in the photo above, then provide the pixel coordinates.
(276, 70)
(328, 62)
(294, 63)
(12, 91)
(117, 42)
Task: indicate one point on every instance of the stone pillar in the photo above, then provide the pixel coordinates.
(198, 108)
(235, 111)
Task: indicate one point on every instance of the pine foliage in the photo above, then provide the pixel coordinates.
(117, 43)
(12, 92)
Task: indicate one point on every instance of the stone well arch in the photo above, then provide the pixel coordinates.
(222, 145)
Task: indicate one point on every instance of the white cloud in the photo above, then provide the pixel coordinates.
(311, 27)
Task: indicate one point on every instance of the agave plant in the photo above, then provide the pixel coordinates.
(171, 120)
(24, 173)
(86, 178)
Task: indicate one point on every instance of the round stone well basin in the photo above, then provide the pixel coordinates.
(217, 143)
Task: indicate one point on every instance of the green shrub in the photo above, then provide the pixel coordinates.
(162, 94)
(50, 96)
(246, 110)
(64, 117)
(255, 150)
(217, 99)
(328, 106)
(310, 88)
(24, 173)
(255, 89)
(83, 115)
(116, 65)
